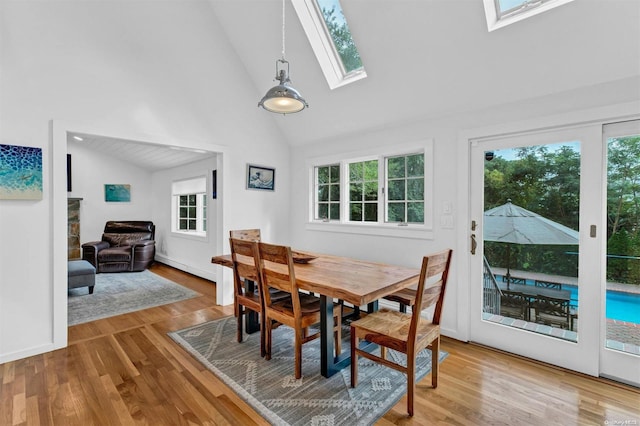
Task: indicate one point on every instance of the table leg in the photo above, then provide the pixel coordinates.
(252, 320)
(329, 365)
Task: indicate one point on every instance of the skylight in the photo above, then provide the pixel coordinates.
(501, 13)
(327, 30)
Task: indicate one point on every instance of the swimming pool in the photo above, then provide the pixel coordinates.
(621, 306)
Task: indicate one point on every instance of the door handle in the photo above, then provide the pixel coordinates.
(474, 244)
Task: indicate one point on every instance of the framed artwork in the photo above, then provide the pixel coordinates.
(20, 173)
(117, 193)
(259, 177)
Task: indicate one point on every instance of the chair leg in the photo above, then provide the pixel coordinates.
(383, 352)
(298, 354)
(435, 361)
(411, 381)
(263, 349)
(354, 358)
(267, 338)
(241, 313)
(403, 308)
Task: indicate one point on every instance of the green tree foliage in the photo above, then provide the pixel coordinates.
(547, 182)
(342, 39)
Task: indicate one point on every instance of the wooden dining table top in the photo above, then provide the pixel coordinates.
(358, 282)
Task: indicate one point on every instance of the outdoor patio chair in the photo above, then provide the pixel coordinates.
(299, 312)
(514, 305)
(548, 284)
(406, 333)
(552, 311)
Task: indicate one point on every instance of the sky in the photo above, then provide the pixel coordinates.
(510, 154)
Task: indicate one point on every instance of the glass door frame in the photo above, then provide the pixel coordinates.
(583, 355)
(615, 364)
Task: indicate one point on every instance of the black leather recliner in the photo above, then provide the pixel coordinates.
(126, 246)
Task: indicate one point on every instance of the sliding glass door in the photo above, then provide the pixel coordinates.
(620, 348)
(533, 292)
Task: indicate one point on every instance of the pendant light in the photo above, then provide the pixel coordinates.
(283, 99)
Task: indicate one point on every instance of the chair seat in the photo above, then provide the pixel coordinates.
(405, 296)
(309, 304)
(392, 328)
(115, 254)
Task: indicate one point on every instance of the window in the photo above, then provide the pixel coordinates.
(328, 192)
(326, 28)
(500, 13)
(189, 201)
(363, 191)
(405, 189)
(382, 191)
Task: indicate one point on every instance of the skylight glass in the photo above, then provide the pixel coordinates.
(326, 28)
(500, 13)
(338, 30)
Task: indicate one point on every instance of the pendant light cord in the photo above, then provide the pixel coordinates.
(283, 29)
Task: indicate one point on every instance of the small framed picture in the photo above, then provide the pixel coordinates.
(116, 193)
(260, 177)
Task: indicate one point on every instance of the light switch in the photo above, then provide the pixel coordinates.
(447, 207)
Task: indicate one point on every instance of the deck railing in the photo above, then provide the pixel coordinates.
(490, 291)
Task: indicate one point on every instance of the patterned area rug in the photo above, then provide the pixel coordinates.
(121, 293)
(272, 390)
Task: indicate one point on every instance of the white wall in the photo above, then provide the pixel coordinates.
(451, 149)
(90, 172)
(189, 253)
(116, 69)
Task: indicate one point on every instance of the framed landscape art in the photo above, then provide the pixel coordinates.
(259, 177)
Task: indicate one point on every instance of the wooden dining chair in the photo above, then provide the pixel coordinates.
(406, 333)
(244, 299)
(299, 312)
(245, 234)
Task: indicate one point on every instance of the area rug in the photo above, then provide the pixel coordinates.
(271, 389)
(121, 293)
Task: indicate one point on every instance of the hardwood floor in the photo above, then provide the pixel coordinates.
(126, 370)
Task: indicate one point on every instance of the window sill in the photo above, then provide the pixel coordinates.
(413, 232)
(197, 236)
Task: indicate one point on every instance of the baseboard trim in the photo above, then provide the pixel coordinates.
(36, 350)
(208, 275)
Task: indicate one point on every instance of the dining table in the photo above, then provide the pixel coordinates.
(355, 281)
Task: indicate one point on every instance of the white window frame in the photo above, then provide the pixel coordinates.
(344, 225)
(315, 28)
(201, 210)
(494, 21)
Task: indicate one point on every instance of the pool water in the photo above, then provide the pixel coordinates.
(621, 306)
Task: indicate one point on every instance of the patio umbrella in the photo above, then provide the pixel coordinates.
(513, 224)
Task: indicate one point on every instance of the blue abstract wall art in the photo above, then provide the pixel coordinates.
(117, 193)
(20, 173)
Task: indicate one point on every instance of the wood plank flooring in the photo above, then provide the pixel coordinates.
(125, 370)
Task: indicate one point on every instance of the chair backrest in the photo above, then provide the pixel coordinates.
(281, 277)
(126, 232)
(434, 267)
(548, 284)
(241, 269)
(552, 306)
(245, 234)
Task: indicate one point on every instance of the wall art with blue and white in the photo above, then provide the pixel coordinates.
(20, 173)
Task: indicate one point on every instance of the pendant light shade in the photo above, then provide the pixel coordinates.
(283, 98)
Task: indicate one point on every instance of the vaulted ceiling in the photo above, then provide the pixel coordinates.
(428, 59)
